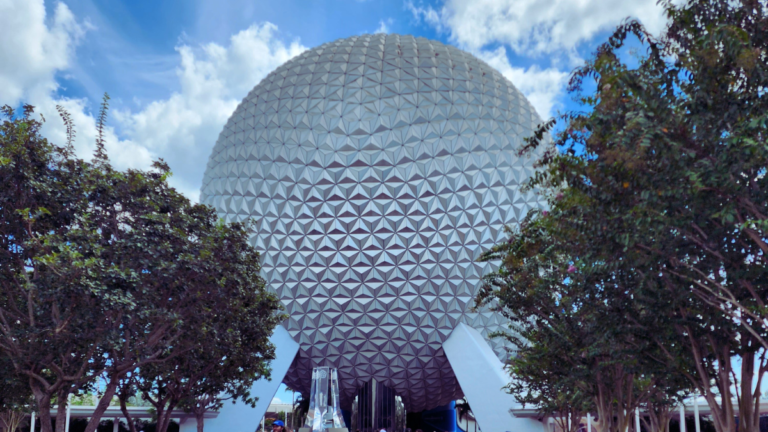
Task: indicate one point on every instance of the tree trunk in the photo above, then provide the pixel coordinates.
(127, 415)
(717, 384)
(10, 420)
(661, 418)
(164, 416)
(43, 400)
(749, 401)
(102, 406)
(200, 417)
(160, 409)
(16, 422)
(603, 406)
(61, 409)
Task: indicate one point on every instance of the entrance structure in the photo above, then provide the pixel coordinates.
(378, 168)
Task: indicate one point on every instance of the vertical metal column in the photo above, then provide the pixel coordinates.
(374, 424)
(696, 412)
(682, 417)
(66, 426)
(377, 407)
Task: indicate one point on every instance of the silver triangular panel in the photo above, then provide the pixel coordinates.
(378, 168)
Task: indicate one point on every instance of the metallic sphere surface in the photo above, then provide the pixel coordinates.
(378, 168)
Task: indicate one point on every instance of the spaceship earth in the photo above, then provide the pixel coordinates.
(377, 168)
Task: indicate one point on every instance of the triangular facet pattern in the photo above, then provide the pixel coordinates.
(378, 168)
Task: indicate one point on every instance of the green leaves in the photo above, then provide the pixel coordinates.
(129, 278)
(659, 198)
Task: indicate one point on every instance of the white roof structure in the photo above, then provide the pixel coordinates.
(276, 408)
(378, 168)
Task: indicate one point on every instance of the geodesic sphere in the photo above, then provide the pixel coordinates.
(378, 168)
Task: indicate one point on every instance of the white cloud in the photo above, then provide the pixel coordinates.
(535, 27)
(542, 87)
(214, 79)
(425, 13)
(32, 50)
(276, 401)
(182, 129)
(383, 26)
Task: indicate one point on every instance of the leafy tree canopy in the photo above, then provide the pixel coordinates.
(657, 193)
(106, 273)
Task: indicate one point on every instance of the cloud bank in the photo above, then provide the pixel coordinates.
(39, 50)
(535, 29)
(181, 129)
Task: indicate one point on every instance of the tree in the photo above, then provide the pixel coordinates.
(663, 177)
(105, 272)
(15, 397)
(126, 391)
(578, 332)
(539, 381)
(224, 367)
(36, 324)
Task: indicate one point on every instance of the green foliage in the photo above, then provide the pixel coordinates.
(108, 273)
(580, 335)
(15, 396)
(225, 365)
(655, 236)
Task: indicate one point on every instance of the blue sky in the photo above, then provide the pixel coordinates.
(176, 69)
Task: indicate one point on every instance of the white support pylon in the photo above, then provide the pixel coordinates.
(240, 417)
(482, 377)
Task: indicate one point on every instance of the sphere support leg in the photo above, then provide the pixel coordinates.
(481, 376)
(240, 417)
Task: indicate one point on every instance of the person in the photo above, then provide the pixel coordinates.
(279, 426)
